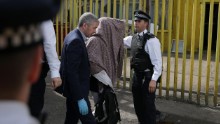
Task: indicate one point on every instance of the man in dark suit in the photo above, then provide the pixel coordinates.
(75, 71)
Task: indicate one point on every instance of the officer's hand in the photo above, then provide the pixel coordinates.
(56, 82)
(152, 86)
(83, 107)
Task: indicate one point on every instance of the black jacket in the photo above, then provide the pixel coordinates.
(75, 69)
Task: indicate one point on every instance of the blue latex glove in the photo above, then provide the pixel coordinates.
(83, 107)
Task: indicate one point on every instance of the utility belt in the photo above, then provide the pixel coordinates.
(147, 71)
(147, 74)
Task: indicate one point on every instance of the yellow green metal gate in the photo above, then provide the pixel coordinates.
(190, 72)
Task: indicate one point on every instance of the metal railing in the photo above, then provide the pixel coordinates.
(192, 74)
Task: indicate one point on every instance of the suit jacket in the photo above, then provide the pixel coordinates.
(75, 70)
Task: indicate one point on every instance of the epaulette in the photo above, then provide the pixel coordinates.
(148, 36)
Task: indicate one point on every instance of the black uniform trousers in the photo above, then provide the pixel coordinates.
(73, 114)
(144, 102)
(36, 98)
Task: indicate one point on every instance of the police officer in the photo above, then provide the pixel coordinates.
(146, 62)
(50, 62)
(20, 54)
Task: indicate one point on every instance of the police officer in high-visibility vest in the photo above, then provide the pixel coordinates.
(146, 62)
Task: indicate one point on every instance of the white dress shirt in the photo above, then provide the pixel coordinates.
(50, 48)
(152, 47)
(83, 35)
(13, 112)
(103, 77)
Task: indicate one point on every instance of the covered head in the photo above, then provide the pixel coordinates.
(105, 48)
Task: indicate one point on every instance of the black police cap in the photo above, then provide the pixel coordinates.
(138, 14)
(20, 22)
(18, 12)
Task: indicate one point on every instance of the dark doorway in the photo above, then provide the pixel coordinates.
(215, 25)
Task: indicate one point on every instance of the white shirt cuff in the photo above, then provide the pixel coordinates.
(55, 74)
(155, 77)
(127, 41)
(103, 77)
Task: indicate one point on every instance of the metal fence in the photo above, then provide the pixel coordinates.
(189, 31)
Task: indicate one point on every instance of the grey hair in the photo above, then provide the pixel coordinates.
(87, 18)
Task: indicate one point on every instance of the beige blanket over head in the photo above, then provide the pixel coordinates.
(105, 48)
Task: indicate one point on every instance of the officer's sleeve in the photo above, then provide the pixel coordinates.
(127, 41)
(50, 48)
(153, 47)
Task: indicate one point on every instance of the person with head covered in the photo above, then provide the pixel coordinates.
(20, 54)
(105, 51)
